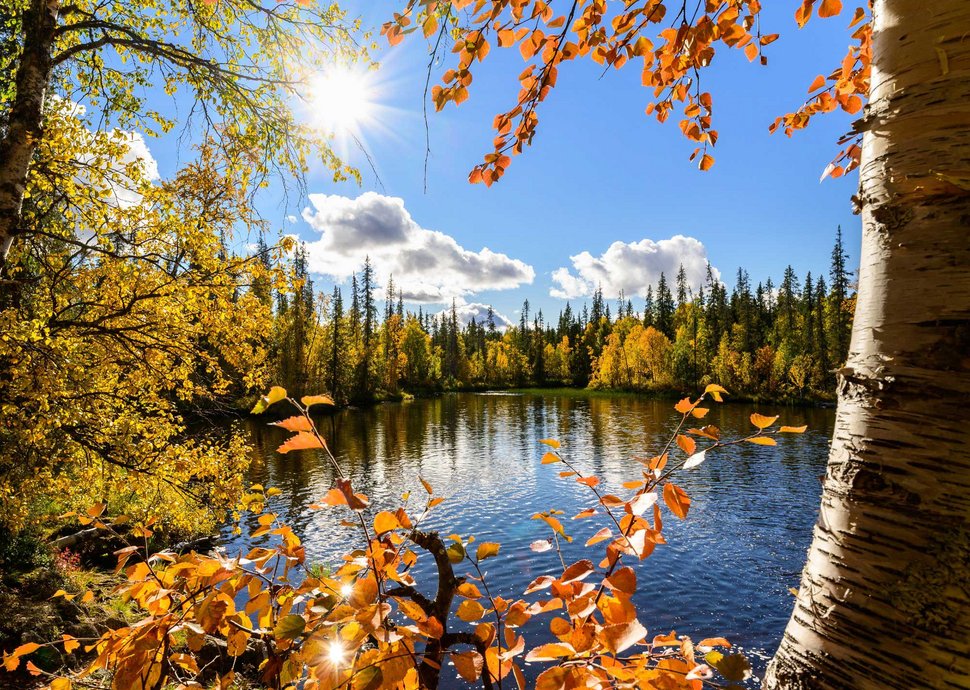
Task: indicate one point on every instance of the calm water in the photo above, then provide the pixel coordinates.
(724, 571)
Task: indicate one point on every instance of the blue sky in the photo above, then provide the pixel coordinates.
(600, 172)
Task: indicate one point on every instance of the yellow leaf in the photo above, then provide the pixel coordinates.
(550, 458)
(793, 429)
(276, 393)
(551, 442)
(309, 400)
(470, 610)
(487, 549)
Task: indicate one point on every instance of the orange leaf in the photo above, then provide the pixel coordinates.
(579, 570)
(761, 421)
(550, 458)
(687, 444)
(302, 441)
(385, 522)
(599, 536)
(294, 424)
(468, 664)
(677, 500)
(623, 580)
(859, 15)
(762, 441)
(829, 8)
(793, 429)
(817, 84)
(707, 162)
(548, 652)
(684, 406)
(622, 635)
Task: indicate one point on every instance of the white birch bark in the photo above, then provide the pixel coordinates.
(885, 594)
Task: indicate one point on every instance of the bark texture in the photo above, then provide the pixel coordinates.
(885, 594)
(24, 129)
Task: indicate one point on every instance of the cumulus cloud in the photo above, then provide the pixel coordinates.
(427, 266)
(123, 190)
(478, 311)
(629, 267)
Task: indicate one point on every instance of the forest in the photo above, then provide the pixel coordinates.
(763, 343)
(180, 506)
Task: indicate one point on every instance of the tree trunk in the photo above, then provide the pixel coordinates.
(24, 126)
(885, 594)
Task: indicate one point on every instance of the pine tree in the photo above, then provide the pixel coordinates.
(664, 311)
(336, 342)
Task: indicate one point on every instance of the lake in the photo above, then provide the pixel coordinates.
(725, 571)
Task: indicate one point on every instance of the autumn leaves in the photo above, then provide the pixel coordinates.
(671, 59)
(368, 622)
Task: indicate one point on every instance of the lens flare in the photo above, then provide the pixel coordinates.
(336, 653)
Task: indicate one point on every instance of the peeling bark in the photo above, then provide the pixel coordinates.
(25, 124)
(885, 594)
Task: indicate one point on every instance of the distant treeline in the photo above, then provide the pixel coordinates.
(762, 342)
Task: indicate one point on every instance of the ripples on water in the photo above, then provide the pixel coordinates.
(725, 571)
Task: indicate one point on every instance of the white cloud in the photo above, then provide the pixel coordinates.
(427, 266)
(123, 189)
(478, 311)
(631, 267)
(291, 219)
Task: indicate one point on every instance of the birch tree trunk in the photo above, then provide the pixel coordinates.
(24, 126)
(885, 594)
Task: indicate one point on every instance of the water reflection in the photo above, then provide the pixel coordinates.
(726, 570)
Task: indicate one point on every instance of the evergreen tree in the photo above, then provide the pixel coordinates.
(664, 311)
(839, 314)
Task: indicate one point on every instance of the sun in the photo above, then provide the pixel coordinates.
(341, 99)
